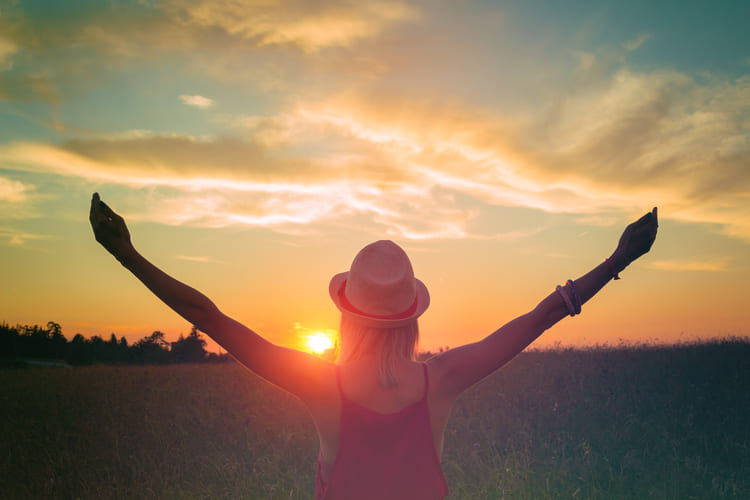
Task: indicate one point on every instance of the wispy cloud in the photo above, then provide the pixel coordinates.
(206, 29)
(7, 49)
(635, 43)
(19, 237)
(310, 27)
(422, 169)
(17, 200)
(226, 40)
(717, 264)
(12, 191)
(197, 101)
(199, 258)
(416, 162)
(29, 87)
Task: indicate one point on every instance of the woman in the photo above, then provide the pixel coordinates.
(380, 415)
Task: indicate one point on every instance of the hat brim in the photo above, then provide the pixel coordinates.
(422, 303)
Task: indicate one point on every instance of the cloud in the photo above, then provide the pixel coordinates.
(124, 31)
(28, 88)
(197, 101)
(82, 45)
(16, 199)
(457, 149)
(718, 264)
(170, 153)
(636, 43)
(421, 169)
(7, 49)
(12, 191)
(202, 259)
(636, 139)
(19, 237)
(684, 142)
(311, 26)
(608, 138)
(207, 191)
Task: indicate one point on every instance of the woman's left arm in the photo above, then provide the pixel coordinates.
(459, 368)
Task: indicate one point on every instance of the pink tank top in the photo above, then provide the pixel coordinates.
(383, 456)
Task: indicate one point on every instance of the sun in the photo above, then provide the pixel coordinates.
(319, 342)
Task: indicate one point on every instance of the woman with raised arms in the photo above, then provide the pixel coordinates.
(380, 414)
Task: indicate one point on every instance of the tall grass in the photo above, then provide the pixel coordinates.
(600, 423)
(607, 423)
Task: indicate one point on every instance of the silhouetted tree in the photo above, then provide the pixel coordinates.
(124, 353)
(212, 357)
(190, 349)
(79, 351)
(98, 348)
(57, 340)
(34, 341)
(9, 341)
(152, 349)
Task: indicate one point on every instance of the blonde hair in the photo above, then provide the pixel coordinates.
(357, 340)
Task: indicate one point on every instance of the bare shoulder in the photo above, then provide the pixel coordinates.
(316, 380)
(440, 368)
(320, 391)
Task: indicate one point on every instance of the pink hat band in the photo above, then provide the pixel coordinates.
(349, 307)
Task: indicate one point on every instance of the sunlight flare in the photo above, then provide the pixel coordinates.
(319, 342)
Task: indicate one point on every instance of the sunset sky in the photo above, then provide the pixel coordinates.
(255, 146)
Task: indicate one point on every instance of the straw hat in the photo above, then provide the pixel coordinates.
(380, 288)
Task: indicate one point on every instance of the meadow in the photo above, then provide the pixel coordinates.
(603, 423)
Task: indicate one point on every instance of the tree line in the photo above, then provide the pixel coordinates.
(34, 342)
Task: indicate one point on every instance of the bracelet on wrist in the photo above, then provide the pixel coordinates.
(576, 298)
(615, 275)
(566, 300)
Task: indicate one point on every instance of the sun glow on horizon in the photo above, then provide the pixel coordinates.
(319, 342)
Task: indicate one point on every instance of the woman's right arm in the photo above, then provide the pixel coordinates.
(457, 369)
(292, 370)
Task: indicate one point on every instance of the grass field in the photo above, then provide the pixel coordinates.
(636, 423)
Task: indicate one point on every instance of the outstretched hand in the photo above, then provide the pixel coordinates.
(109, 228)
(636, 240)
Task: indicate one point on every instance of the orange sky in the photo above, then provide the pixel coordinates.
(254, 150)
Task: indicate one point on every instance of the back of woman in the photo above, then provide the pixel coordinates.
(380, 415)
(386, 445)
